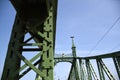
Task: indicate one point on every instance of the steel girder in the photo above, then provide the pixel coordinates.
(88, 72)
(41, 29)
(12, 62)
(38, 18)
(117, 64)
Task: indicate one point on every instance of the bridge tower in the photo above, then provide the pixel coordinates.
(38, 19)
(73, 47)
(74, 66)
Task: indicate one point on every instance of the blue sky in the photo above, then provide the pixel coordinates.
(87, 20)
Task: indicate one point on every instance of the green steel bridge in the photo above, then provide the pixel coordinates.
(38, 19)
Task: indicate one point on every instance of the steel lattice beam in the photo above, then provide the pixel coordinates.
(117, 64)
(38, 18)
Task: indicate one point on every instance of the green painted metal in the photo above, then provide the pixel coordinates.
(47, 57)
(100, 69)
(38, 18)
(73, 47)
(74, 67)
(106, 70)
(93, 72)
(117, 64)
(63, 58)
(72, 74)
(82, 73)
(42, 74)
(74, 60)
(107, 55)
(76, 70)
(31, 60)
(28, 69)
(40, 23)
(85, 70)
(12, 62)
(88, 70)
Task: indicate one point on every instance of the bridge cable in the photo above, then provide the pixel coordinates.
(104, 35)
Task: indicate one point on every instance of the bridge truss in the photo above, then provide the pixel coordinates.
(38, 19)
(86, 71)
(82, 68)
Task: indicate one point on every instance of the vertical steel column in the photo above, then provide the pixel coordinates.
(47, 64)
(12, 62)
(103, 66)
(82, 74)
(88, 69)
(117, 65)
(75, 60)
(76, 69)
(73, 47)
(110, 76)
(101, 73)
(72, 75)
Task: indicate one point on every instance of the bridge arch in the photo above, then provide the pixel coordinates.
(62, 58)
(59, 60)
(60, 69)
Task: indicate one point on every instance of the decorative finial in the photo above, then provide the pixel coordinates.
(72, 37)
(73, 45)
